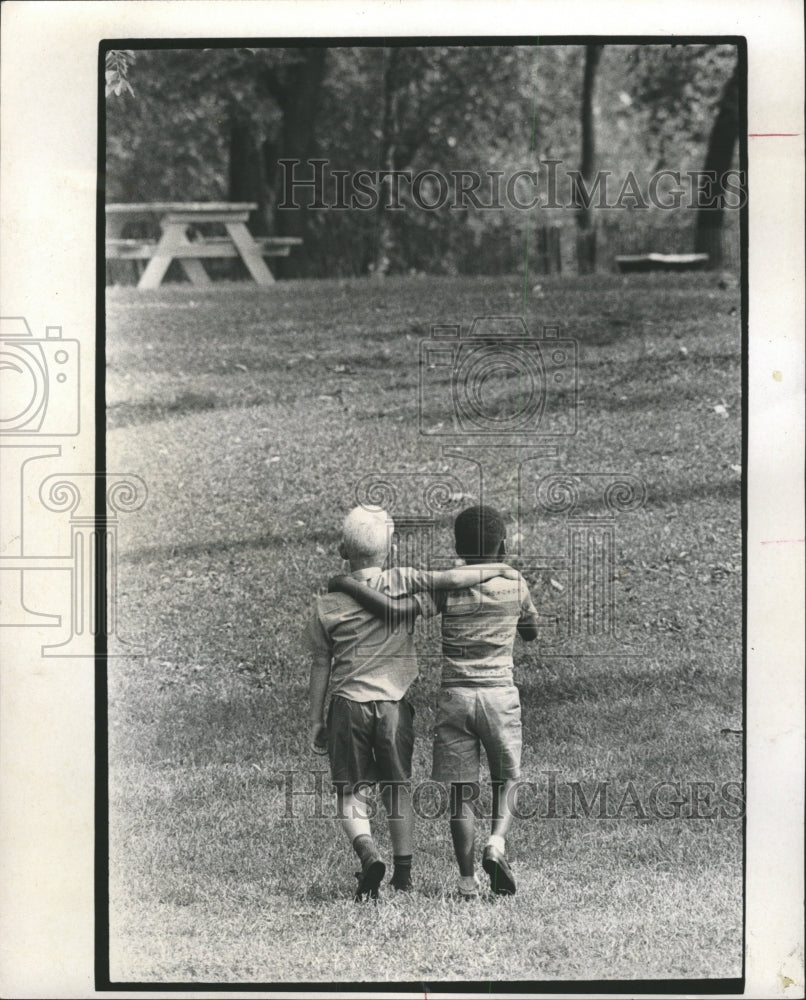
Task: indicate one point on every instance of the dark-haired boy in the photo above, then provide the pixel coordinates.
(478, 703)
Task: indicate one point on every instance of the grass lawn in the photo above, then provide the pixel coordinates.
(252, 415)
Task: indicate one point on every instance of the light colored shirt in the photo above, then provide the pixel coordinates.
(478, 630)
(369, 660)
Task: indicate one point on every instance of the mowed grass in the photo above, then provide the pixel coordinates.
(252, 415)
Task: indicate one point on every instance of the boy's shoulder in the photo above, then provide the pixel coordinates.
(396, 582)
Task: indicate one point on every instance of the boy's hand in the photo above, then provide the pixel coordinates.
(318, 734)
(335, 583)
(509, 573)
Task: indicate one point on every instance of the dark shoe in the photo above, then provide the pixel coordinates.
(502, 881)
(369, 878)
(402, 885)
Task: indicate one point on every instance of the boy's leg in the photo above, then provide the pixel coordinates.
(456, 761)
(353, 815)
(350, 727)
(400, 816)
(354, 819)
(502, 807)
(463, 825)
(502, 738)
(393, 746)
(396, 798)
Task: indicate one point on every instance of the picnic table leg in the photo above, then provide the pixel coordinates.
(114, 231)
(195, 271)
(170, 247)
(173, 235)
(250, 253)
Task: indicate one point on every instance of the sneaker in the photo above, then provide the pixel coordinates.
(402, 885)
(502, 881)
(369, 879)
(471, 892)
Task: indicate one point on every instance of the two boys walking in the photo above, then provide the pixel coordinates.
(368, 664)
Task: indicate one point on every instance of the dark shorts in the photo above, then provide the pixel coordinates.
(469, 718)
(369, 741)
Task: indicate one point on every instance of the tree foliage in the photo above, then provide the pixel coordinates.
(209, 124)
(117, 72)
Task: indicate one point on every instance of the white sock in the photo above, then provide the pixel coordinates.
(495, 841)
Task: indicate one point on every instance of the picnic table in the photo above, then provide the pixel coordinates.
(181, 238)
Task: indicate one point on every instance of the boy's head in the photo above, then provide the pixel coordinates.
(480, 532)
(365, 536)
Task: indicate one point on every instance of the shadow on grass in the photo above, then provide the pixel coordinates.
(126, 414)
(194, 550)
(591, 683)
(329, 539)
(671, 495)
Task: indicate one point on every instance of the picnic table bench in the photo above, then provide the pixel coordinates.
(181, 239)
(661, 262)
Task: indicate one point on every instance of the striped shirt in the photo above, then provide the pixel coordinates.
(478, 630)
(369, 661)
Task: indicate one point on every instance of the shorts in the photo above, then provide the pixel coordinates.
(369, 741)
(469, 718)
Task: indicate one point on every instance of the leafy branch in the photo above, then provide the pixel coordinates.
(116, 71)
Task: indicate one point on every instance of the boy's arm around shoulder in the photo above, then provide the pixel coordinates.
(404, 609)
(462, 577)
(393, 610)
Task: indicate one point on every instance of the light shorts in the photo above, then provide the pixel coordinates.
(369, 741)
(471, 717)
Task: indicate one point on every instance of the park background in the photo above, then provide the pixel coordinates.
(249, 415)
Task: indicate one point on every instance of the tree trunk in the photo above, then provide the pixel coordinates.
(586, 236)
(389, 128)
(718, 159)
(299, 102)
(247, 181)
